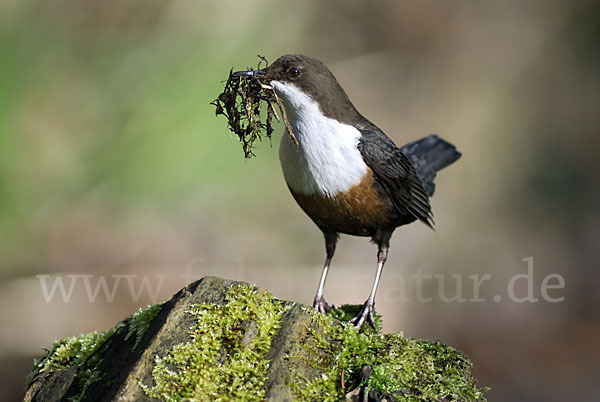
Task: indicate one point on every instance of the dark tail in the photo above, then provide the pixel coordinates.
(428, 155)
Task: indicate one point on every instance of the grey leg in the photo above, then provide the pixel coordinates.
(319, 303)
(366, 313)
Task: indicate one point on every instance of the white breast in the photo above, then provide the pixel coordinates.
(328, 160)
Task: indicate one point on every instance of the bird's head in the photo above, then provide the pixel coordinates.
(296, 77)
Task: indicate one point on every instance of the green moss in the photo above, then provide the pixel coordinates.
(225, 358)
(410, 369)
(76, 351)
(140, 322)
(347, 312)
(80, 351)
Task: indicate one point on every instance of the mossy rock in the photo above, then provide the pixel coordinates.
(219, 340)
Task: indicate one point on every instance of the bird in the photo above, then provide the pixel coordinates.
(344, 172)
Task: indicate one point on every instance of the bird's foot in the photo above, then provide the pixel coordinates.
(321, 305)
(365, 314)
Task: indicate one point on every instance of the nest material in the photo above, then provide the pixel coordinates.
(241, 103)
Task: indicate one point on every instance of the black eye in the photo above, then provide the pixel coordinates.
(294, 72)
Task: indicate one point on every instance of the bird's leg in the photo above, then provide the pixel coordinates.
(319, 303)
(366, 312)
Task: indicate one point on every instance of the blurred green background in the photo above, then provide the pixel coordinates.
(113, 163)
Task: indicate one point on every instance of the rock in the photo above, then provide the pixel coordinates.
(218, 339)
(52, 386)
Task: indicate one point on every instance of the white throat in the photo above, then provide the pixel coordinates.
(328, 160)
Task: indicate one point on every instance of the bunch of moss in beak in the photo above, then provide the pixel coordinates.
(241, 102)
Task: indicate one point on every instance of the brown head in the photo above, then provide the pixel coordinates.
(312, 77)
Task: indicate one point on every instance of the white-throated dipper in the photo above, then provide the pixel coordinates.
(346, 174)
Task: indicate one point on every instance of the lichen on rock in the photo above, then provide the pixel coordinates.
(222, 340)
(225, 357)
(74, 352)
(399, 367)
(140, 322)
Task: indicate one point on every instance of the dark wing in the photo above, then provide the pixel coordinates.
(397, 175)
(429, 155)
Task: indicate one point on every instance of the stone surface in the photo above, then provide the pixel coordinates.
(300, 352)
(123, 368)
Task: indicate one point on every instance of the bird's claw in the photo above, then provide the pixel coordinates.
(321, 305)
(365, 314)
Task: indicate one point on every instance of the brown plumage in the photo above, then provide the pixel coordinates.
(358, 211)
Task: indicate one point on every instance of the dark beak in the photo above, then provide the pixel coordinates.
(249, 73)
